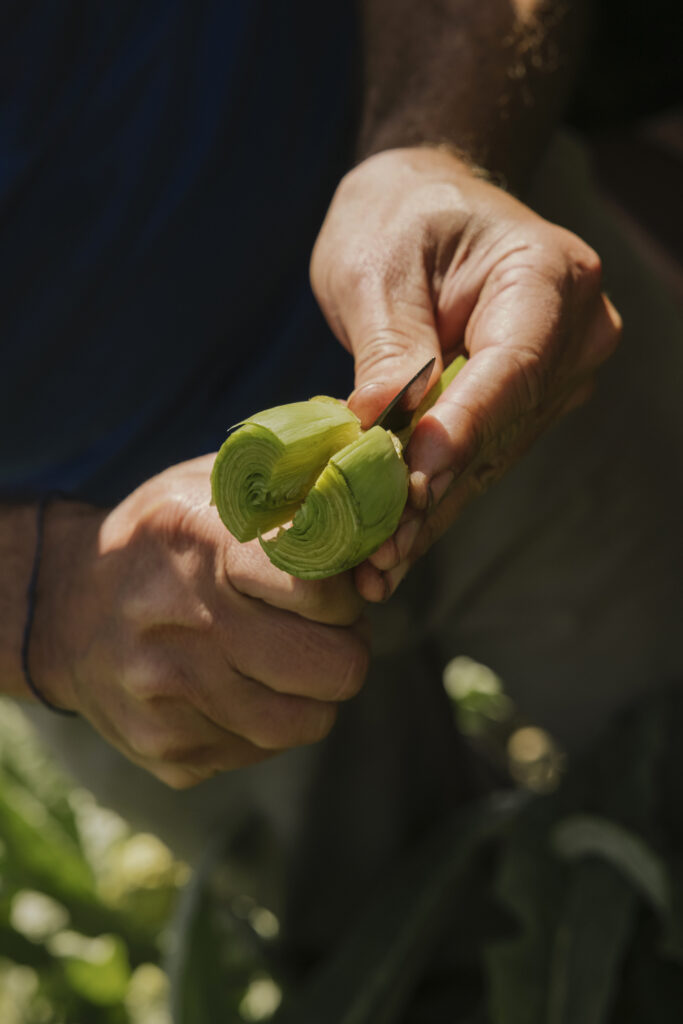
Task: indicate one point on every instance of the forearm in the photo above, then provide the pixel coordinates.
(17, 547)
(488, 77)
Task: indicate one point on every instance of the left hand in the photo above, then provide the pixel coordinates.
(418, 256)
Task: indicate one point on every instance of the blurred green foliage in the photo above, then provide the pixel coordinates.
(556, 901)
(84, 902)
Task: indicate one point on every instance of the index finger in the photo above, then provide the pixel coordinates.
(334, 601)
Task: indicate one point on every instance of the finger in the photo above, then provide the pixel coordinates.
(391, 331)
(284, 653)
(333, 601)
(205, 765)
(264, 717)
(515, 338)
(239, 754)
(162, 733)
(170, 729)
(395, 548)
(371, 583)
(450, 495)
(294, 656)
(209, 721)
(479, 404)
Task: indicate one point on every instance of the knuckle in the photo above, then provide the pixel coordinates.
(142, 744)
(152, 682)
(591, 264)
(587, 265)
(154, 743)
(532, 376)
(478, 429)
(566, 257)
(148, 745)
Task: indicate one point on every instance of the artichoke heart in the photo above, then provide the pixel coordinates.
(343, 488)
(266, 467)
(354, 505)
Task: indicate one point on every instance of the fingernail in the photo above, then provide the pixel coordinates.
(440, 485)
(367, 401)
(419, 489)
(406, 537)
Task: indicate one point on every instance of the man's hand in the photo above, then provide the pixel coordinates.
(418, 256)
(188, 651)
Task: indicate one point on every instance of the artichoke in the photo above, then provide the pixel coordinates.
(309, 463)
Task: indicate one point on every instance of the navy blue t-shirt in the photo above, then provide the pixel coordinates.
(164, 170)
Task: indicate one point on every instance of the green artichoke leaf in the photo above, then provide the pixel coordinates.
(354, 505)
(267, 466)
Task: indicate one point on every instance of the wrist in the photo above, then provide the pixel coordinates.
(493, 79)
(437, 161)
(62, 598)
(17, 549)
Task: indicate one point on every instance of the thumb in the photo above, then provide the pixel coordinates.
(390, 341)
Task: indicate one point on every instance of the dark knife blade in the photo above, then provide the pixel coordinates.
(398, 413)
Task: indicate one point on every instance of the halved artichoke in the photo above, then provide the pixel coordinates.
(342, 488)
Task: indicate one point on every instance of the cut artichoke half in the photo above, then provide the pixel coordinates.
(267, 466)
(310, 464)
(354, 505)
(343, 488)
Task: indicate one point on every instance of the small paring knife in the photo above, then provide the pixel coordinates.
(398, 413)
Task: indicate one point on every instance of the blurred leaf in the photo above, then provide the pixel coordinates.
(96, 969)
(378, 966)
(530, 885)
(146, 1000)
(24, 758)
(42, 851)
(592, 936)
(210, 967)
(21, 950)
(37, 916)
(453, 986)
(40, 854)
(583, 835)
